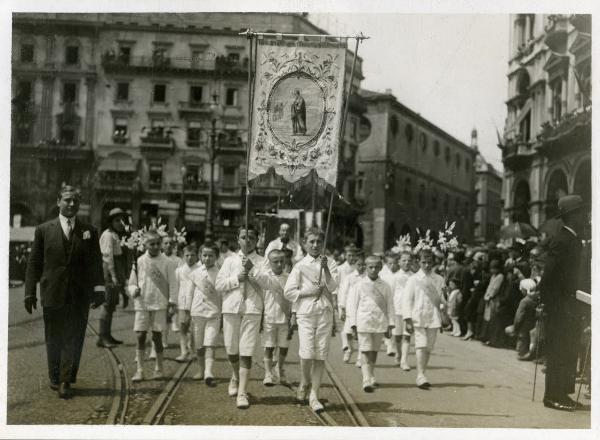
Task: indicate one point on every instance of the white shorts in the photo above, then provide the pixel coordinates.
(314, 332)
(150, 320)
(399, 327)
(275, 335)
(369, 341)
(206, 331)
(240, 333)
(425, 337)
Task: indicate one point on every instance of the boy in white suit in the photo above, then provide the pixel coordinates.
(371, 316)
(242, 310)
(423, 302)
(310, 288)
(182, 273)
(346, 283)
(153, 287)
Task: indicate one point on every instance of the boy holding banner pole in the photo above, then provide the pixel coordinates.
(314, 318)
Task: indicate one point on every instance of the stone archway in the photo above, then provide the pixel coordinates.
(521, 199)
(556, 188)
(582, 184)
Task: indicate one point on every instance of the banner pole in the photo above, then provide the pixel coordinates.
(250, 37)
(341, 139)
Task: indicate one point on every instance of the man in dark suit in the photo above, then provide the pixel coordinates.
(65, 259)
(561, 310)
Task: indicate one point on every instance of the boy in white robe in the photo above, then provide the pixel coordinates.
(346, 283)
(182, 273)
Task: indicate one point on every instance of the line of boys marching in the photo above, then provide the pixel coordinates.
(249, 294)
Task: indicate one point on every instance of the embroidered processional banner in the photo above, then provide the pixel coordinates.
(299, 91)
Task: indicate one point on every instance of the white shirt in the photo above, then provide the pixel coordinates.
(204, 299)
(110, 246)
(151, 298)
(277, 308)
(398, 285)
(345, 284)
(417, 304)
(304, 276)
(184, 284)
(231, 289)
(63, 223)
(278, 244)
(370, 306)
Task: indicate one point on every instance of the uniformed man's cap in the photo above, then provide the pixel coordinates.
(116, 212)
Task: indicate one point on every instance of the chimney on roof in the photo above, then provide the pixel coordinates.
(388, 91)
(474, 139)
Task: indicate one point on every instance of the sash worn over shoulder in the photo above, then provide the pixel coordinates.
(427, 286)
(378, 298)
(158, 279)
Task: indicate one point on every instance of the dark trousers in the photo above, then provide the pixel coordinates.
(64, 329)
(562, 335)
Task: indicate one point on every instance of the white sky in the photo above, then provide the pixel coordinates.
(449, 68)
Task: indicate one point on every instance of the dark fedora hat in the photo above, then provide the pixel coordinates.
(568, 204)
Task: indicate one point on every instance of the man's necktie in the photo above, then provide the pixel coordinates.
(69, 228)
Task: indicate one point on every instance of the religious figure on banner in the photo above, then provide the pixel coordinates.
(298, 114)
(297, 110)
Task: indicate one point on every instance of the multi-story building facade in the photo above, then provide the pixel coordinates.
(411, 174)
(141, 107)
(488, 197)
(546, 148)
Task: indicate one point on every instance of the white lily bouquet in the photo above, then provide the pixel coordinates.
(403, 243)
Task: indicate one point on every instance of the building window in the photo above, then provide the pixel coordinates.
(157, 128)
(229, 176)
(394, 125)
(72, 55)
(67, 135)
(27, 53)
(160, 93)
(423, 142)
(196, 94)
(192, 176)
(233, 57)
(421, 196)
(436, 148)
(556, 92)
(525, 128)
(69, 92)
(124, 54)
(197, 58)
(24, 92)
(409, 132)
(447, 154)
(193, 134)
(231, 98)
(159, 57)
(122, 91)
(121, 130)
(407, 191)
(155, 176)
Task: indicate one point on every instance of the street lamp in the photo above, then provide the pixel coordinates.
(182, 198)
(212, 154)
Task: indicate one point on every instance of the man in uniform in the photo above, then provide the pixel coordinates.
(561, 311)
(65, 259)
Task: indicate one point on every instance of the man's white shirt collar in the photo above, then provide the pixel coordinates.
(63, 222)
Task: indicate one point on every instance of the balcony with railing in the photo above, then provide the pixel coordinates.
(572, 132)
(517, 153)
(157, 63)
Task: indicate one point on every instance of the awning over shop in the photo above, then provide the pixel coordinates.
(112, 164)
(234, 206)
